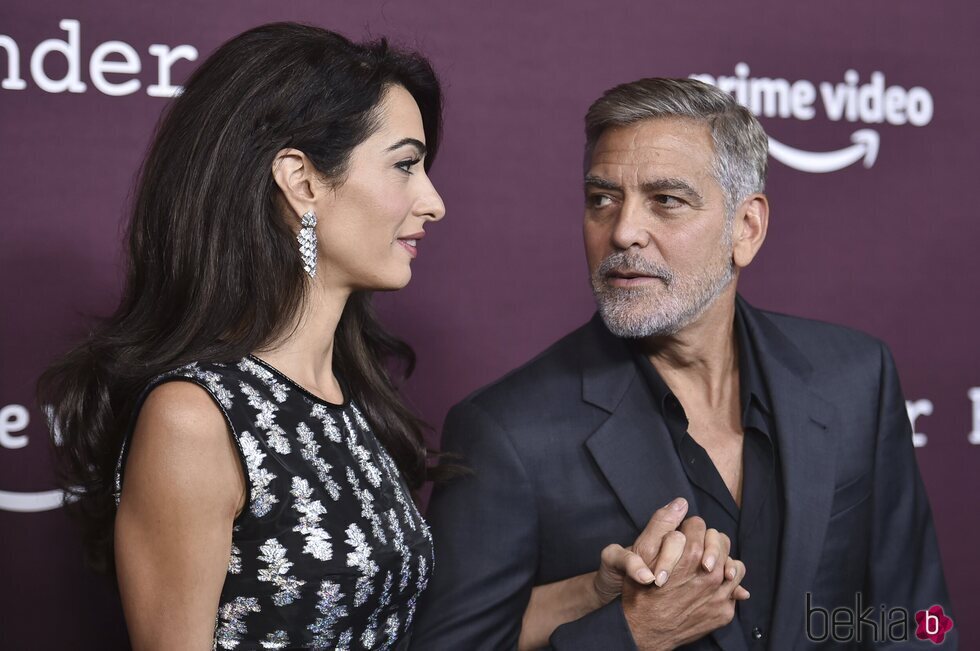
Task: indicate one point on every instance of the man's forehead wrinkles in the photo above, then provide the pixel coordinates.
(643, 169)
(619, 174)
(636, 136)
(642, 154)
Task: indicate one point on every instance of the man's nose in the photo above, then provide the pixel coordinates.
(632, 225)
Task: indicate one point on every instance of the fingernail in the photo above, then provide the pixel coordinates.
(731, 573)
(646, 575)
(661, 578)
(709, 563)
(678, 504)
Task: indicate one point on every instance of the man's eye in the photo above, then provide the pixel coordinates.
(599, 200)
(667, 200)
(408, 164)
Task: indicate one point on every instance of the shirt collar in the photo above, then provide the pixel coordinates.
(752, 387)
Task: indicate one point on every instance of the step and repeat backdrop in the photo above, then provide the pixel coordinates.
(871, 108)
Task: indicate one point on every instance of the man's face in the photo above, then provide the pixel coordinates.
(657, 237)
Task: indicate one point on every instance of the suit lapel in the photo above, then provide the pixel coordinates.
(632, 447)
(635, 454)
(807, 444)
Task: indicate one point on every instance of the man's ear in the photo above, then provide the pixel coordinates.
(749, 229)
(295, 175)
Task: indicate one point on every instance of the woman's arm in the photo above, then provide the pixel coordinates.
(183, 487)
(565, 601)
(558, 603)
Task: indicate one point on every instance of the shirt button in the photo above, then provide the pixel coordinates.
(757, 633)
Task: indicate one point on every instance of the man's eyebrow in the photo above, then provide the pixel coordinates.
(418, 144)
(671, 185)
(649, 187)
(601, 183)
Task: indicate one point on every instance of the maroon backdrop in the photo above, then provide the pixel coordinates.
(874, 230)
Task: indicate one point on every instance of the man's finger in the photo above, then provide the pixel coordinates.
(734, 573)
(663, 521)
(694, 529)
(670, 553)
(716, 548)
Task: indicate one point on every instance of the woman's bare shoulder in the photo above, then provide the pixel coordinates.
(182, 409)
(182, 447)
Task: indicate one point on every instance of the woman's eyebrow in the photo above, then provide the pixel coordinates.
(418, 144)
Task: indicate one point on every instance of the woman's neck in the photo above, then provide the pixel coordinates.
(305, 354)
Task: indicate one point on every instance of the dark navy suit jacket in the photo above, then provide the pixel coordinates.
(569, 454)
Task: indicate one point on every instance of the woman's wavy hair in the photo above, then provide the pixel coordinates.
(213, 272)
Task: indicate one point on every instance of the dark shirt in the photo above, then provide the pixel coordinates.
(756, 527)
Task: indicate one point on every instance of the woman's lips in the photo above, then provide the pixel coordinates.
(411, 242)
(410, 246)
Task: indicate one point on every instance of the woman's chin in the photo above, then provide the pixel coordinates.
(390, 283)
(404, 281)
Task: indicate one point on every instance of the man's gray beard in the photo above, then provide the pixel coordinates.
(623, 309)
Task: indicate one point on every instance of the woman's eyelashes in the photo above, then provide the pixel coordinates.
(407, 164)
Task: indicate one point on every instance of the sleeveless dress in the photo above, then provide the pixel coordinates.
(330, 551)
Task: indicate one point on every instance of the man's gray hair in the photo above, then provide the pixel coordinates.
(741, 146)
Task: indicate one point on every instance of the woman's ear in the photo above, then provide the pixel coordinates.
(295, 175)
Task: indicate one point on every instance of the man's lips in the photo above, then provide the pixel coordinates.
(629, 278)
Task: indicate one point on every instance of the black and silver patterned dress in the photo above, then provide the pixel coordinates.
(330, 551)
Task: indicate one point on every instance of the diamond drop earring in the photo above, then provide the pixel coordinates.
(307, 242)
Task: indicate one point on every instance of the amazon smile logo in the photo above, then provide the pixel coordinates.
(869, 103)
(14, 419)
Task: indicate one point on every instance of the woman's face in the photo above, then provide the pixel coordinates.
(370, 227)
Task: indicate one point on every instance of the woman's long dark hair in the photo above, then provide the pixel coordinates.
(213, 269)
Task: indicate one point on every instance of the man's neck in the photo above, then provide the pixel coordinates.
(701, 359)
